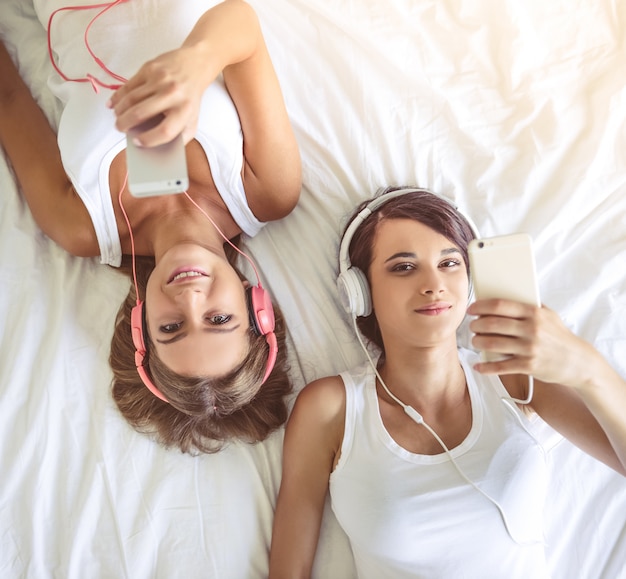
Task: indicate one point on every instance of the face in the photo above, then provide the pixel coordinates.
(196, 312)
(419, 284)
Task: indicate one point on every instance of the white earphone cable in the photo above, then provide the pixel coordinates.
(417, 417)
(529, 397)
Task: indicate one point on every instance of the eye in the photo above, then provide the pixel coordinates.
(402, 267)
(219, 319)
(170, 328)
(450, 263)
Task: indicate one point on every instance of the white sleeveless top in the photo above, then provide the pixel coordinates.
(410, 515)
(124, 38)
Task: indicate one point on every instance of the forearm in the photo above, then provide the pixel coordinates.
(31, 146)
(587, 407)
(27, 138)
(226, 35)
(603, 391)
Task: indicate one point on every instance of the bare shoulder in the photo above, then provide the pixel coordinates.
(320, 408)
(316, 425)
(325, 396)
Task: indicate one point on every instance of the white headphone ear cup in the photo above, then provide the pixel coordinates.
(354, 292)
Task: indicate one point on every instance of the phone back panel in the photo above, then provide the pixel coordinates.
(160, 170)
(504, 267)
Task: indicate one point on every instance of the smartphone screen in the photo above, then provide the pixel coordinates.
(160, 170)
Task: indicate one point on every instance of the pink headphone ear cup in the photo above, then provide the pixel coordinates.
(263, 321)
(261, 310)
(136, 327)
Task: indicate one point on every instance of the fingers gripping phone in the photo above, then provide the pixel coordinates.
(160, 170)
(504, 267)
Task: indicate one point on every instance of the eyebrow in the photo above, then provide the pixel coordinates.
(413, 255)
(211, 330)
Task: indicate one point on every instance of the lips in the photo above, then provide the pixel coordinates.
(183, 274)
(434, 309)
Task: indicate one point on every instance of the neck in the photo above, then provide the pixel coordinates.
(425, 377)
(185, 223)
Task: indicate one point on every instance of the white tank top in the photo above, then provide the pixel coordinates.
(410, 515)
(124, 38)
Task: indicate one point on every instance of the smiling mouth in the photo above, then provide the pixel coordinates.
(434, 309)
(186, 274)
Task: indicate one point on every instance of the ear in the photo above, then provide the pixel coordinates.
(246, 284)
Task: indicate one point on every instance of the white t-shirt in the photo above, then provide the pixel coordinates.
(410, 515)
(123, 38)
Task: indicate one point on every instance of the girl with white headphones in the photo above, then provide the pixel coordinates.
(434, 467)
(196, 355)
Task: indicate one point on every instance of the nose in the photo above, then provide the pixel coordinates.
(431, 282)
(189, 297)
(191, 302)
(188, 294)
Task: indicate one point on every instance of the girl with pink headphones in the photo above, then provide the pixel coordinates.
(198, 352)
(435, 466)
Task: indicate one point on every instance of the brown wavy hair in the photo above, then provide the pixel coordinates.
(203, 413)
(421, 205)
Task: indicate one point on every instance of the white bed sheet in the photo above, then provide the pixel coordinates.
(516, 110)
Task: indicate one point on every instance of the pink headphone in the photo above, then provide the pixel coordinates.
(260, 310)
(261, 314)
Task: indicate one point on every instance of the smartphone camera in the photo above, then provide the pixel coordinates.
(481, 244)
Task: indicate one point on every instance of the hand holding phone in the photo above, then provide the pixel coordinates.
(160, 170)
(504, 267)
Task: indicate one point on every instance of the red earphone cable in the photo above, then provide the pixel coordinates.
(256, 273)
(132, 239)
(95, 83)
(96, 59)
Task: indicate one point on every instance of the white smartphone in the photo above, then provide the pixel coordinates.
(160, 170)
(504, 267)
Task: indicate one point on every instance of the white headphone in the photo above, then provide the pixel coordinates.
(352, 285)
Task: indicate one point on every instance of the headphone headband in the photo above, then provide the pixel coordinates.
(344, 248)
(352, 283)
